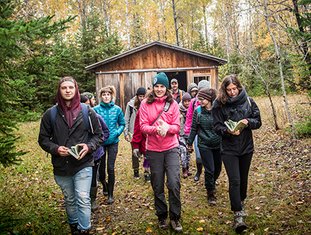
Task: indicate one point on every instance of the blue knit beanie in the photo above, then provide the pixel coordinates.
(161, 78)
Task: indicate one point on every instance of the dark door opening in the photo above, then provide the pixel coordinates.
(181, 78)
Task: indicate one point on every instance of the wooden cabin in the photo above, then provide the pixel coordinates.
(135, 68)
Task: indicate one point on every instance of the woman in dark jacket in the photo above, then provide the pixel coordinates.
(237, 150)
(57, 135)
(208, 141)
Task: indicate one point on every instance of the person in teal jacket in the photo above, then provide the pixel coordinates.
(114, 119)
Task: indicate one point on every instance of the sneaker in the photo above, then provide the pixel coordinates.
(176, 225)
(197, 177)
(163, 224)
(136, 174)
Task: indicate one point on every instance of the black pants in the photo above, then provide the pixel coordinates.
(237, 168)
(110, 156)
(95, 171)
(161, 164)
(211, 160)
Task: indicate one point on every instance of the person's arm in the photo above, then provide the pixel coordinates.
(144, 121)
(121, 122)
(254, 122)
(104, 128)
(127, 120)
(219, 120)
(137, 135)
(97, 137)
(174, 126)
(189, 115)
(194, 128)
(45, 134)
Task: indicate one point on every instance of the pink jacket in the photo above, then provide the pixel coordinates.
(149, 113)
(189, 115)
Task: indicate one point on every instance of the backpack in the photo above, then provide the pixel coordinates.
(85, 112)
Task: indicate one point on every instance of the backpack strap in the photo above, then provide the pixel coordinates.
(85, 113)
(165, 109)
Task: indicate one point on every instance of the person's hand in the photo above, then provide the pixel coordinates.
(128, 138)
(84, 150)
(163, 128)
(137, 154)
(189, 148)
(63, 151)
(245, 121)
(234, 132)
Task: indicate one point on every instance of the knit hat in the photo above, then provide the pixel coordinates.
(208, 94)
(88, 95)
(186, 96)
(203, 84)
(174, 80)
(141, 91)
(161, 78)
(192, 86)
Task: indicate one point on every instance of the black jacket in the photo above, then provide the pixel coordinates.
(236, 109)
(53, 135)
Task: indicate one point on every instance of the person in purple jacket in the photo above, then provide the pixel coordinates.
(88, 98)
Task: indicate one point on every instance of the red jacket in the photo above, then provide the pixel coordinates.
(138, 139)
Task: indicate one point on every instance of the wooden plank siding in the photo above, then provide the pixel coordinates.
(137, 67)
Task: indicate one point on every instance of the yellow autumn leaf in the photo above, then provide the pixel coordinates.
(200, 229)
(149, 230)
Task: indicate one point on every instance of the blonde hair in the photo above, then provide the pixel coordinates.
(110, 89)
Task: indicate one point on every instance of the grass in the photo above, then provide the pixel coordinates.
(278, 196)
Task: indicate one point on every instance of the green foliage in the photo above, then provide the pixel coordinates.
(24, 57)
(304, 128)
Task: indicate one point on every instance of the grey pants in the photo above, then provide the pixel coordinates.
(161, 164)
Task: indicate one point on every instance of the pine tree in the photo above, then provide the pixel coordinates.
(22, 63)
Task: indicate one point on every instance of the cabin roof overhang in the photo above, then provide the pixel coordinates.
(155, 43)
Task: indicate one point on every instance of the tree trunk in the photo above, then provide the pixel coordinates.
(278, 58)
(128, 24)
(175, 22)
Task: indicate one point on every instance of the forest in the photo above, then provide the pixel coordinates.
(265, 42)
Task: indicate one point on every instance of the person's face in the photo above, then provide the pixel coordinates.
(232, 90)
(174, 86)
(205, 103)
(141, 97)
(67, 90)
(159, 90)
(194, 93)
(106, 97)
(186, 103)
(92, 102)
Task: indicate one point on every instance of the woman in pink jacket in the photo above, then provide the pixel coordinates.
(159, 120)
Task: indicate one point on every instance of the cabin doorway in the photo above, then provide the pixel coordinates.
(181, 78)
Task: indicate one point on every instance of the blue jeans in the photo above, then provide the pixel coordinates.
(76, 190)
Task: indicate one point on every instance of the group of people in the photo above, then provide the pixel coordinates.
(162, 126)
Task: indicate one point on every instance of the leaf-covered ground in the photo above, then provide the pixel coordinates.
(278, 196)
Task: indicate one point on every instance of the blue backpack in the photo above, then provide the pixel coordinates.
(85, 113)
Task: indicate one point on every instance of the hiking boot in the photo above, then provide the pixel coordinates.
(176, 225)
(136, 174)
(184, 172)
(199, 171)
(147, 177)
(105, 188)
(74, 228)
(239, 226)
(93, 195)
(211, 198)
(162, 224)
(110, 200)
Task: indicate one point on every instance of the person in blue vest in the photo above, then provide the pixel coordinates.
(114, 118)
(57, 135)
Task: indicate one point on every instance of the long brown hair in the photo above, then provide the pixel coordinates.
(151, 97)
(232, 78)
